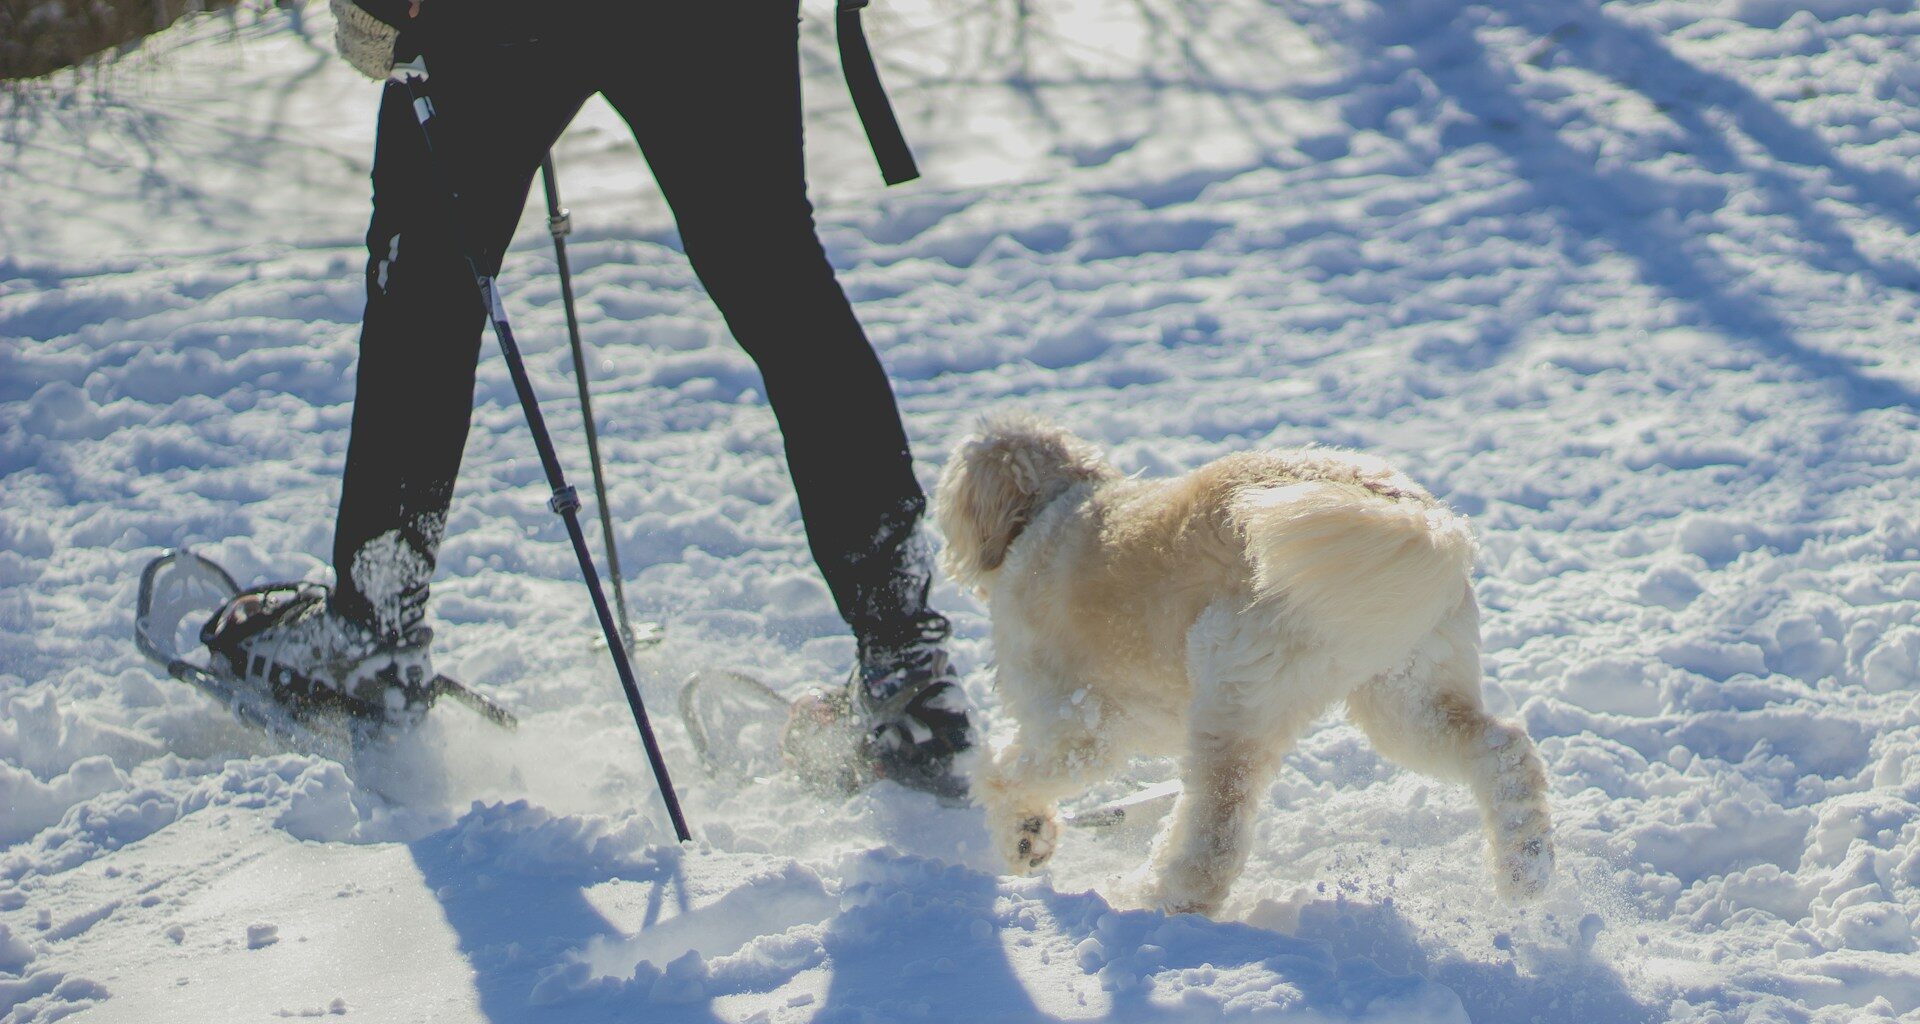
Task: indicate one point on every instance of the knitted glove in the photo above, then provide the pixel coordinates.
(364, 40)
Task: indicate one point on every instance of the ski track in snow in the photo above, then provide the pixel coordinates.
(1631, 285)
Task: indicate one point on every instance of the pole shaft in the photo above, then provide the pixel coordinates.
(558, 223)
(564, 500)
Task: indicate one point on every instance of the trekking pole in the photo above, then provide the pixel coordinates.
(412, 75)
(560, 225)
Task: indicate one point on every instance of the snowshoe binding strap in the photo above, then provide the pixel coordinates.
(249, 611)
(248, 614)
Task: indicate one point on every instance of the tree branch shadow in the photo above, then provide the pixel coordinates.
(1636, 212)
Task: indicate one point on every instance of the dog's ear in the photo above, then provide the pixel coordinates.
(985, 497)
(997, 480)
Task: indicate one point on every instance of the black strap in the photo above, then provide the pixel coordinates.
(870, 100)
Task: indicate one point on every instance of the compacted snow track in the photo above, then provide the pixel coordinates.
(1633, 286)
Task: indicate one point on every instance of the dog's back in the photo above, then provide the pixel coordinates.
(1355, 557)
(1337, 540)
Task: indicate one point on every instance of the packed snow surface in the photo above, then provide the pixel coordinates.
(1633, 285)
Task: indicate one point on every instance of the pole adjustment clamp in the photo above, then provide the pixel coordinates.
(565, 501)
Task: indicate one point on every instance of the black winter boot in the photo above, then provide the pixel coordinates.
(902, 716)
(287, 639)
(907, 700)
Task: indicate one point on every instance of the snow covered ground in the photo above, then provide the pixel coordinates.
(1633, 285)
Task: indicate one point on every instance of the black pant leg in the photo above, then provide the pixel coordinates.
(500, 102)
(712, 92)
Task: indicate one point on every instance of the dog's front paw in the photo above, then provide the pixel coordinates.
(1031, 842)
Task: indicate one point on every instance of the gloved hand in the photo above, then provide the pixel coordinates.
(364, 40)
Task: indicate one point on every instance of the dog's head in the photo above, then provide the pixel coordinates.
(997, 480)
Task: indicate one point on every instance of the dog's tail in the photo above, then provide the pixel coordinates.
(1356, 567)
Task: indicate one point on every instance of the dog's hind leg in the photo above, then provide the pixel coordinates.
(1255, 691)
(1428, 716)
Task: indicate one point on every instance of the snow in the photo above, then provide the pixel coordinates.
(1632, 285)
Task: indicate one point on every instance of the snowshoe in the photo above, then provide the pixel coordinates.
(259, 682)
(744, 731)
(736, 724)
(901, 717)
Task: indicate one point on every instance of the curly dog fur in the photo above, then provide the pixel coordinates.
(1215, 616)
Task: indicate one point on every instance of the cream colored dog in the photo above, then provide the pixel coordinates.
(1215, 616)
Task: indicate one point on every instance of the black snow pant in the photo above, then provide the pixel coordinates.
(711, 90)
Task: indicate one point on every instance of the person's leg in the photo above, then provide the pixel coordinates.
(500, 101)
(713, 96)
